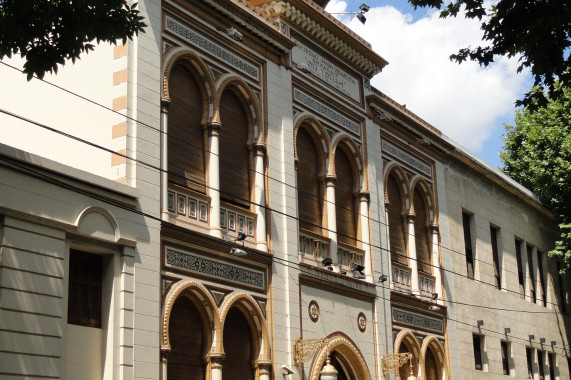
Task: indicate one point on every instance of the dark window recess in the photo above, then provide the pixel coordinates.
(551, 360)
(309, 194)
(477, 351)
(560, 284)
(530, 268)
(397, 236)
(84, 300)
(421, 221)
(541, 278)
(468, 245)
(344, 199)
(528, 354)
(540, 365)
(495, 254)
(505, 358)
(520, 276)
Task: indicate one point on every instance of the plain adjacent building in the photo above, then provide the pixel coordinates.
(262, 212)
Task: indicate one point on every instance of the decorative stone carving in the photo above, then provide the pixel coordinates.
(407, 158)
(313, 310)
(362, 322)
(413, 319)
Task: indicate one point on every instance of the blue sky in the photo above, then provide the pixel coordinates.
(466, 102)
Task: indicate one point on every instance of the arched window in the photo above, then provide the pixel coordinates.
(238, 346)
(234, 155)
(344, 199)
(309, 189)
(186, 332)
(404, 370)
(421, 231)
(185, 139)
(395, 210)
(431, 367)
(342, 366)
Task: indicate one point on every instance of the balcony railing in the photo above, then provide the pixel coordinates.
(401, 275)
(313, 246)
(347, 255)
(426, 283)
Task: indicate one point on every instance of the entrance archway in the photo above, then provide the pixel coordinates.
(238, 347)
(345, 357)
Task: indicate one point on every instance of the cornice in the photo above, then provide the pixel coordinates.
(256, 20)
(317, 23)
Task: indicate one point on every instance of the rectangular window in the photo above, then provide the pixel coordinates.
(520, 275)
(466, 221)
(551, 360)
(505, 357)
(540, 365)
(85, 281)
(497, 274)
(541, 290)
(561, 285)
(530, 269)
(528, 354)
(476, 340)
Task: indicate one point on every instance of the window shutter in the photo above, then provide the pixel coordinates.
(234, 155)
(185, 139)
(421, 232)
(84, 295)
(186, 333)
(396, 222)
(309, 197)
(344, 199)
(238, 346)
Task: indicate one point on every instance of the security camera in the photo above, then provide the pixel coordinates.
(286, 370)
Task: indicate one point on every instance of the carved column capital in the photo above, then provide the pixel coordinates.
(264, 366)
(434, 228)
(215, 359)
(165, 102)
(213, 128)
(330, 180)
(165, 351)
(260, 149)
(365, 196)
(410, 217)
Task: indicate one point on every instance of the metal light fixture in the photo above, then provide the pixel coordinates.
(383, 278)
(531, 337)
(236, 251)
(358, 270)
(234, 34)
(480, 323)
(364, 8)
(507, 330)
(434, 296)
(553, 343)
(326, 261)
(434, 307)
(542, 340)
(328, 372)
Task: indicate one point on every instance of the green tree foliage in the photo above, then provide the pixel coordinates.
(48, 32)
(537, 154)
(538, 33)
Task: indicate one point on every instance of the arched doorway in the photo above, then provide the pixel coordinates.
(342, 366)
(345, 357)
(186, 328)
(238, 347)
(432, 370)
(404, 371)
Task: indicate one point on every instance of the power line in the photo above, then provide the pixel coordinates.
(248, 201)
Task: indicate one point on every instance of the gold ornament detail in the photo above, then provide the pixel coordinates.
(391, 363)
(305, 349)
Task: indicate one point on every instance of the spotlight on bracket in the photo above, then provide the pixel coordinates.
(364, 8)
(480, 323)
(357, 270)
(434, 307)
(531, 337)
(234, 34)
(507, 330)
(326, 262)
(542, 340)
(238, 251)
(553, 343)
(383, 278)
(434, 296)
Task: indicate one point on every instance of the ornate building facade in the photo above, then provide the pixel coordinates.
(277, 216)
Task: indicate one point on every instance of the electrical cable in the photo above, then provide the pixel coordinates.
(270, 209)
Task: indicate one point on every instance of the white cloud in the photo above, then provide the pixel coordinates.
(464, 101)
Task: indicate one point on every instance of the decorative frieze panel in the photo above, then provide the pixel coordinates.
(407, 158)
(194, 263)
(418, 320)
(216, 50)
(323, 110)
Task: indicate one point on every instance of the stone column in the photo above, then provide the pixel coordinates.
(214, 361)
(165, 351)
(331, 218)
(164, 157)
(260, 198)
(387, 227)
(264, 369)
(213, 188)
(434, 230)
(413, 263)
(364, 199)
